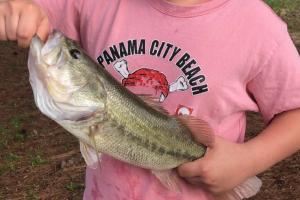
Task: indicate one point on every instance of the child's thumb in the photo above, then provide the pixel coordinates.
(192, 169)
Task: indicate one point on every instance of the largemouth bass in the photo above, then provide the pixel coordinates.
(86, 100)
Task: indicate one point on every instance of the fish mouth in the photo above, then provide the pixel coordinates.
(49, 53)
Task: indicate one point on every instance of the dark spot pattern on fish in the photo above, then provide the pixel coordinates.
(171, 153)
(153, 146)
(161, 150)
(178, 153)
(186, 155)
(147, 144)
(192, 158)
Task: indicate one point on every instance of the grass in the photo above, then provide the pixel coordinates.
(2, 195)
(15, 122)
(73, 186)
(10, 163)
(289, 10)
(10, 134)
(3, 140)
(37, 160)
(31, 193)
(13, 132)
(11, 157)
(19, 136)
(279, 5)
(3, 144)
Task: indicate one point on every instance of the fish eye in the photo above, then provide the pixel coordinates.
(75, 53)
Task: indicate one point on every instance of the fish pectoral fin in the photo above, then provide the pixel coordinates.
(200, 129)
(246, 190)
(169, 179)
(95, 129)
(89, 154)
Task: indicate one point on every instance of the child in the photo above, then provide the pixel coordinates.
(212, 59)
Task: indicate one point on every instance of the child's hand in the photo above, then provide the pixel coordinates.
(225, 165)
(20, 20)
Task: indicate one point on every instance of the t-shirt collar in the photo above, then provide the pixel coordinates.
(186, 11)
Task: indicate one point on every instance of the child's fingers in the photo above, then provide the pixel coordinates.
(2, 29)
(39, 24)
(11, 25)
(27, 27)
(26, 30)
(21, 20)
(196, 175)
(43, 29)
(2, 22)
(197, 180)
(190, 169)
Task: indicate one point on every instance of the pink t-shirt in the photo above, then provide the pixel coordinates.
(214, 61)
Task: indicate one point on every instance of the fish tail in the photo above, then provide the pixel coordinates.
(246, 190)
(169, 179)
(201, 130)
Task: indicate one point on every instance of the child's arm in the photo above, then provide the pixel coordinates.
(20, 20)
(228, 164)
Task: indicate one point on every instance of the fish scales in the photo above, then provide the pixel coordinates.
(134, 150)
(125, 111)
(158, 139)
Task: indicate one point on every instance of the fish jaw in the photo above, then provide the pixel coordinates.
(49, 53)
(37, 73)
(42, 98)
(52, 50)
(36, 46)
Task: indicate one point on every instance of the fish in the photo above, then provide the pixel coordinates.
(80, 95)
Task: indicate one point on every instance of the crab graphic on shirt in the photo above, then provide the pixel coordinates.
(150, 81)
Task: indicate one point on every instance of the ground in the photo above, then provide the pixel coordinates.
(39, 160)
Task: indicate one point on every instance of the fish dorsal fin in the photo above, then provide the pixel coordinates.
(154, 103)
(200, 129)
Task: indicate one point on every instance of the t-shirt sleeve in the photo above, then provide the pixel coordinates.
(64, 15)
(276, 88)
